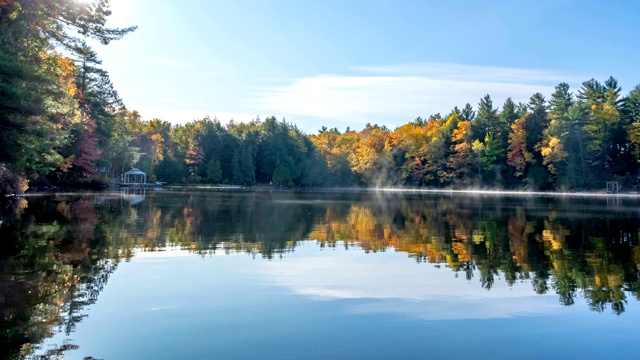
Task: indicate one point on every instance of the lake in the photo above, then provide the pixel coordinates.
(204, 273)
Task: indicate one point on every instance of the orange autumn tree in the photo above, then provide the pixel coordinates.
(370, 157)
(460, 162)
(518, 156)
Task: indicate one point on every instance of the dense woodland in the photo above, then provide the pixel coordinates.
(63, 124)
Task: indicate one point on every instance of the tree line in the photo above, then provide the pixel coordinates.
(571, 141)
(63, 124)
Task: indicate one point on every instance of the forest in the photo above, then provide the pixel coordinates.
(64, 125)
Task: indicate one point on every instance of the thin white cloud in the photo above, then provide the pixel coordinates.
(177, 115)
(452, 71)
(392, 95)
(171, 62)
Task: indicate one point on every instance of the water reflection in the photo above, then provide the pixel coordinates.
(593, 252)
(52, 269)
(385, 283)
(58, 252)
(133, 195)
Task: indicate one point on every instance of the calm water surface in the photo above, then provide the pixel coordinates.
(283, 275)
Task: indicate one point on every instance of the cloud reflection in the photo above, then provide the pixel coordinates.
(388, 283)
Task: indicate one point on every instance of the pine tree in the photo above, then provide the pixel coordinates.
(467, 113)
(486, 120)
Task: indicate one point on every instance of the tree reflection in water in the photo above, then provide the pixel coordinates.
(52, 269)
(58, 252)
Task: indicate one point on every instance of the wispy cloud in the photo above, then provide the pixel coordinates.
(178, 115)
(171, 62)
(395, 94)
(462, 72)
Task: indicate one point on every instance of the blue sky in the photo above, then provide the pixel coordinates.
(346, 63)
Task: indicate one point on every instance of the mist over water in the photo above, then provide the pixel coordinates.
(511, 192)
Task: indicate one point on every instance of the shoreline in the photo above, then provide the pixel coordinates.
(261, 189)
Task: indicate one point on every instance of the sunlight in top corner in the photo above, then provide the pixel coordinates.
(118, 10)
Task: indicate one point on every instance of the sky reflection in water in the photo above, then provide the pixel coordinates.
(402, 276)
(234, 306)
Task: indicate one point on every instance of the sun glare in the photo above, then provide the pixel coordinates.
(118, 12)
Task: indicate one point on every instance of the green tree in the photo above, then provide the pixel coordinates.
(553, 147)
(486, 153)
(632, 112)
(169, 170)
(486, 121)
(218, 143)
(537, 175)
(40, 102)
(467, 113)
(537, 120)
(243, 168)
(214, 172)
(507, 117)
(602, 103)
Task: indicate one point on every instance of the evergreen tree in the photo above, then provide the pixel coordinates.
(214, 172)
(39, 105)
(508, 114)
(467, 113)
(553, 147)
(536, 122)
(486, 121)
(601, 101)
(507, 117)
(632, 113)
